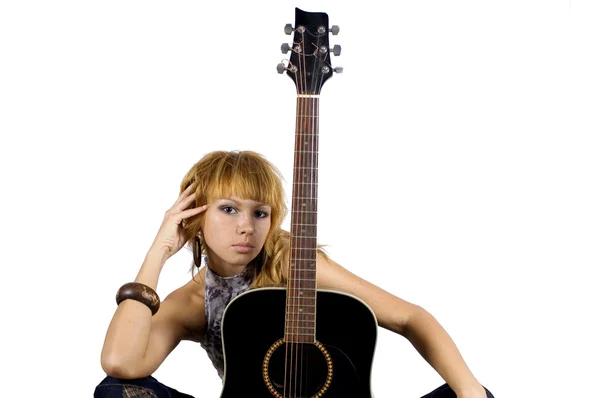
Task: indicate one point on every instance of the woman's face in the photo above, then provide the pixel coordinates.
(235, 231)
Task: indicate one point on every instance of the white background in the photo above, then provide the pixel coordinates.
(459, 170)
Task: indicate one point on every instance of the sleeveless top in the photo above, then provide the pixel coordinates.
(218, 292)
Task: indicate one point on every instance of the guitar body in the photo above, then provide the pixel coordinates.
(252, 325)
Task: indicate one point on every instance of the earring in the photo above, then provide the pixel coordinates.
(197, 252)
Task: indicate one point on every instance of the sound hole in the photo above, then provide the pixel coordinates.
(299, 370)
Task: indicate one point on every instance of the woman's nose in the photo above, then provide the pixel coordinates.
(245, 226)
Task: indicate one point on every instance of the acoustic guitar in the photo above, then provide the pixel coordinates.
(300, 341)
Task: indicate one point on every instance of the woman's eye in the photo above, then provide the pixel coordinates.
(261, 214)
(228, 209)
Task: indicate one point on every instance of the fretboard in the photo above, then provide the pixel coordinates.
(302, 273)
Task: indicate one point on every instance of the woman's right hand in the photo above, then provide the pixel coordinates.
(170, 237)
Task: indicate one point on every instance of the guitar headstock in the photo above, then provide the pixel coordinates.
(309, 64)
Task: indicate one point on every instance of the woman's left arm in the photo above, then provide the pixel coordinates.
(409, 320)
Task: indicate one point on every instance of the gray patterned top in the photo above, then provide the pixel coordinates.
(218, 292)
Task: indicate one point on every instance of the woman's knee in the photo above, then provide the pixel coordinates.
(112, 387)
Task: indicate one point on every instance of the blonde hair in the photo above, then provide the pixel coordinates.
(248, 175)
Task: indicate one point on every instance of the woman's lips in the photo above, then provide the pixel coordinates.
(243, 248)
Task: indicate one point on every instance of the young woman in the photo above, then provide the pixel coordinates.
(229, 211)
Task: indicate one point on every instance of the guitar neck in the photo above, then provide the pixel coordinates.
(302, 271)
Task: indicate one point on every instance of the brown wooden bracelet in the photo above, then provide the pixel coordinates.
(139, 292)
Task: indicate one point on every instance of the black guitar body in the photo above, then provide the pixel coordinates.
(255, 354)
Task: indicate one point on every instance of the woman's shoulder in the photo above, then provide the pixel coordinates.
(188, 302)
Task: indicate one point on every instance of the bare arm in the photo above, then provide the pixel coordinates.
(136, 342)
(409, 320)
(435, 345)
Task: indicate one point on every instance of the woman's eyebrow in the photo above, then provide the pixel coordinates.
(239, 202)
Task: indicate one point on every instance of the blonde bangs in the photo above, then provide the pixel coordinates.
(246, 178)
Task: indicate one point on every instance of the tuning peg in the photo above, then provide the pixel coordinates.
(280, 68)
(285, 48)
(338, 69)
(336, 50)
(334, 30)
(289, 29)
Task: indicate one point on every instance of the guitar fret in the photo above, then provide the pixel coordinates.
(299, 314)
(305, 304)
(301, 334)
(299, 327)
(298, 289)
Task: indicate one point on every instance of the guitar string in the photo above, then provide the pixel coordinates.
(302, 156)
(313, 103)
(305, 129)
(315, 164)
(292, 358)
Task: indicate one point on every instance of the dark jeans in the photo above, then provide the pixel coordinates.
(146, 387)
(445, 391)
(149, 387)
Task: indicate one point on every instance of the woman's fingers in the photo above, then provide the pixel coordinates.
(186, 202)
(185, 194)
(192, 212)
(185, 199)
